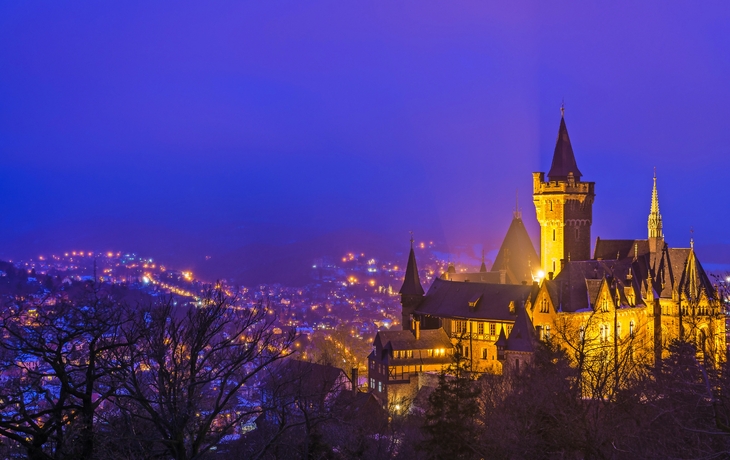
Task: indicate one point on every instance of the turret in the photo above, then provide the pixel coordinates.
(411, 293)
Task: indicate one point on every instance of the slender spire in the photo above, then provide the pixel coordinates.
(483, 268)
(517, 213)
(563, 158)
(655, 219)
(411, 283)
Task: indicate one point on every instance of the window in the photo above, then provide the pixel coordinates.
(631, 329)
(618, 330)
(484, 353)
(372, 384)
(492, 329)
(480, 328)
(547, 332)
(582, 333)
(459, 327)
(409, 353)
(553, 234)
(544, 305)
(466, 352)
(430, 353)
(604, 333)
(577, 232)
(380, 387)
(551, 205)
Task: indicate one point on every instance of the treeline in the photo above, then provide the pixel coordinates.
(85, 374)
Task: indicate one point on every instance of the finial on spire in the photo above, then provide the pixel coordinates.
(691, 238)
(562, 108)
(655, 218)
(411, 239)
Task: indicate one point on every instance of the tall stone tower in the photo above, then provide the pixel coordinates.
(411, 293)
(564, 207)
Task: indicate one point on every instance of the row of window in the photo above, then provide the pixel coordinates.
(461, 327)
(604, 331)
(430, 353)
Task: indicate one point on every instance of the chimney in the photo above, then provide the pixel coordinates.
(417, 329)
(354, 380)
(550, 275)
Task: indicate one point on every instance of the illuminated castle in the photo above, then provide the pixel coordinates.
(631, 296)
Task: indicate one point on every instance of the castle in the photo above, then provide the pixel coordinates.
(631, 297)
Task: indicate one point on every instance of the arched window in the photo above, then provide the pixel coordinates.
(618, 330)
(631, 329)
(547, 332)
(553, 234)
(582, 333)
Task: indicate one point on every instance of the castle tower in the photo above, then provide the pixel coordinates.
(411, 293)
(564, 207)
(656, 236)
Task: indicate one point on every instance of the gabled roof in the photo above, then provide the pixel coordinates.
(563, 158)
(411, 283)
(579, 283)
(522, 336)
(406, 340)
(517, 255)
(450, 299)
(305, 379)
(694, 282)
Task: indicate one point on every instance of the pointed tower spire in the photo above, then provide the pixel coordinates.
(483, 268)
(411, 293)
(655, 219)
(563, 158)
(411, 283)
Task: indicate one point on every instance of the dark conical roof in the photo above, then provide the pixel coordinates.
(517, 255)
(411, 283)
(502, 340)
(563, 158)
(522, 336)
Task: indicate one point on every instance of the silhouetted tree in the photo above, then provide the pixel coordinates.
(184, 389)
(450, 424)
(57, 367)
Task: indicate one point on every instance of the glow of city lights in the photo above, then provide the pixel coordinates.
(540, 274)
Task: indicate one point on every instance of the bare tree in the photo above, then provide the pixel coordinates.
(189, 371)
(57, 367)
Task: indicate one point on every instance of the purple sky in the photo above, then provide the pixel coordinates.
(141, 125)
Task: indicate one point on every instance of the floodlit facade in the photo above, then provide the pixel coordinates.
(630, 297)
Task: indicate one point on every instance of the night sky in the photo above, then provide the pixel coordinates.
(185, 129)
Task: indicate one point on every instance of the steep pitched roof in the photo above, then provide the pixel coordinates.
(522, 336)
(563, 158)
(502, 339)
(579, 283)
(694, 281)
(451, 299)
(411, 283)
(610, 249)
(517, 255)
